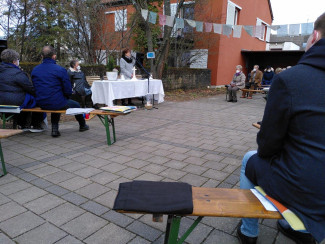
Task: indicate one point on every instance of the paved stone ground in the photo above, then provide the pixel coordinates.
(61, 190)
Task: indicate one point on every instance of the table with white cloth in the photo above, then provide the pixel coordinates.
(105, 92)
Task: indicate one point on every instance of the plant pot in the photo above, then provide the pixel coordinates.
(111, 75)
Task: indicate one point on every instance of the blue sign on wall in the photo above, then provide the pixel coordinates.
(151, 55)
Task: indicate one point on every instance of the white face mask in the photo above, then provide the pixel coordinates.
(78, 67)
(17, 62)
(254, 70)
(237, 71)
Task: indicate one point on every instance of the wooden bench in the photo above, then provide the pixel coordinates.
(91, 79)
(250, 90)
(217, 202)
(107, 119)
(4, 134)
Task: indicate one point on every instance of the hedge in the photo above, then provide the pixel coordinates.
(89, 70)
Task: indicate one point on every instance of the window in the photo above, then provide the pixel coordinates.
(232, 13)
(188, 13)
(262, 32)
(121, 20)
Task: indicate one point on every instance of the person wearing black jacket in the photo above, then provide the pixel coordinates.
(17, 89)
(290, 160)
(78, 80)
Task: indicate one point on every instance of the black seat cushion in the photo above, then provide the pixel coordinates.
(155, 197)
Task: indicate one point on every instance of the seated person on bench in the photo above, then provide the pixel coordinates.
(254, 81)
(238, 82)
(17, 89)
(78, 80)
(267, 76)
(290, 161)
(53, 89)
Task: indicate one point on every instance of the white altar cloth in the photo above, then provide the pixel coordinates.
(105, 92)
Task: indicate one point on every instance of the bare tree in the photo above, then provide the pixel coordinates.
(157, 65)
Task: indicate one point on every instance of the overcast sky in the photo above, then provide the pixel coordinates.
(296, 11)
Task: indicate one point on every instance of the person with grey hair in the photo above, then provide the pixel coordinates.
(238, 82)
(78, 79)
(17, 89)
(53, 89)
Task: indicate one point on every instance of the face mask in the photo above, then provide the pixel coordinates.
(237, 71)
(254, 70)
(18, 62)
(268, 70)
(78, 67)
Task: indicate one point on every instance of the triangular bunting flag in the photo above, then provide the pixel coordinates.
(294, 30)
(237, 31)
(283, 30)
(227, 29)
(152, 17)
(217, 28)
(260, 31)
(191, 23)
(274, 27)
(144, 13)
(208, 27)
(249, 29)
(170, 21)
(199, 26)
(307, 28)
(179, 23)
(162, 19)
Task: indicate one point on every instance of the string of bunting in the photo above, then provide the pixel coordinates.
(224, 29)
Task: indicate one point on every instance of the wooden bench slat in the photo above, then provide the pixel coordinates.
(96, 112)
(4, 133)
(43, 110)
(101, 112)
(258, 126)
(249, 90)
(237, 203)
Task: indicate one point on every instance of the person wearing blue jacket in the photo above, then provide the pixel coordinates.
(268, 76)
(53, 89)
(290, 160)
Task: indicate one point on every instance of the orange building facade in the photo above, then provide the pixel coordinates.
(223, 52)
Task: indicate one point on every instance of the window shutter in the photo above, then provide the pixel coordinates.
(173, 10)
(121, 20)
(268, 34)
(231, 8)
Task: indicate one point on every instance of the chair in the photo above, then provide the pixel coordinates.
(227, 92)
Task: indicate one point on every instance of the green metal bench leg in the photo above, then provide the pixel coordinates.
(108, 134)
(3, 121)
(113, 126)
(172, 229)
(2, 162)
(189, 231)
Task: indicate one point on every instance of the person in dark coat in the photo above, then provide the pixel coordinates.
(78, 80)
(268, 76)
(17, 89)
(53, 89)
(290, 161)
